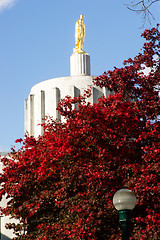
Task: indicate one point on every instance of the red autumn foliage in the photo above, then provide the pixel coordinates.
(19, 140)
(61, 185)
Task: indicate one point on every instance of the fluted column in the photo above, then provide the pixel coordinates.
(80, 64)
(42, 110)
(32, 115)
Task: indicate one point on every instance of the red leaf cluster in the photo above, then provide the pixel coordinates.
(61, 185)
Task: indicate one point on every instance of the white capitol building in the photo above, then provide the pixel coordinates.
(45, 96)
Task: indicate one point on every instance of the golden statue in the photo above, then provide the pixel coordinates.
(79, 35)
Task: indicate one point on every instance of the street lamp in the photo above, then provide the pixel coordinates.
(124, 201)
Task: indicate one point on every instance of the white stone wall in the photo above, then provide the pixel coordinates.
(43, 100)
(5, 234)
(44, 97)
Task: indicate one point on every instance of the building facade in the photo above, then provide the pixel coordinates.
(45, 96)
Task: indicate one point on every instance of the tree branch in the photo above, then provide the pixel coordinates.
(142, 7)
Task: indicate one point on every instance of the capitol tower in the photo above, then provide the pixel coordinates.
(45, 96)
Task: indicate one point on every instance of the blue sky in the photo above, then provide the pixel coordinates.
(37, 39)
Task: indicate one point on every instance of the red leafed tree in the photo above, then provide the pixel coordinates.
(61, 185)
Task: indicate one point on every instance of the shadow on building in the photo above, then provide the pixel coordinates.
(3, 237)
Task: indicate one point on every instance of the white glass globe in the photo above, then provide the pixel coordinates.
(124, 199)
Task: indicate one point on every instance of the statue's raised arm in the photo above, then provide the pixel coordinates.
(79, 35)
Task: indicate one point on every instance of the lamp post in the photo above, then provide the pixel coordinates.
(124, 201)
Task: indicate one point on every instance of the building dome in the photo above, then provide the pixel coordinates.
(45, 96)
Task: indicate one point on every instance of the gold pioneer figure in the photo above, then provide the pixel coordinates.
(79, 35)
